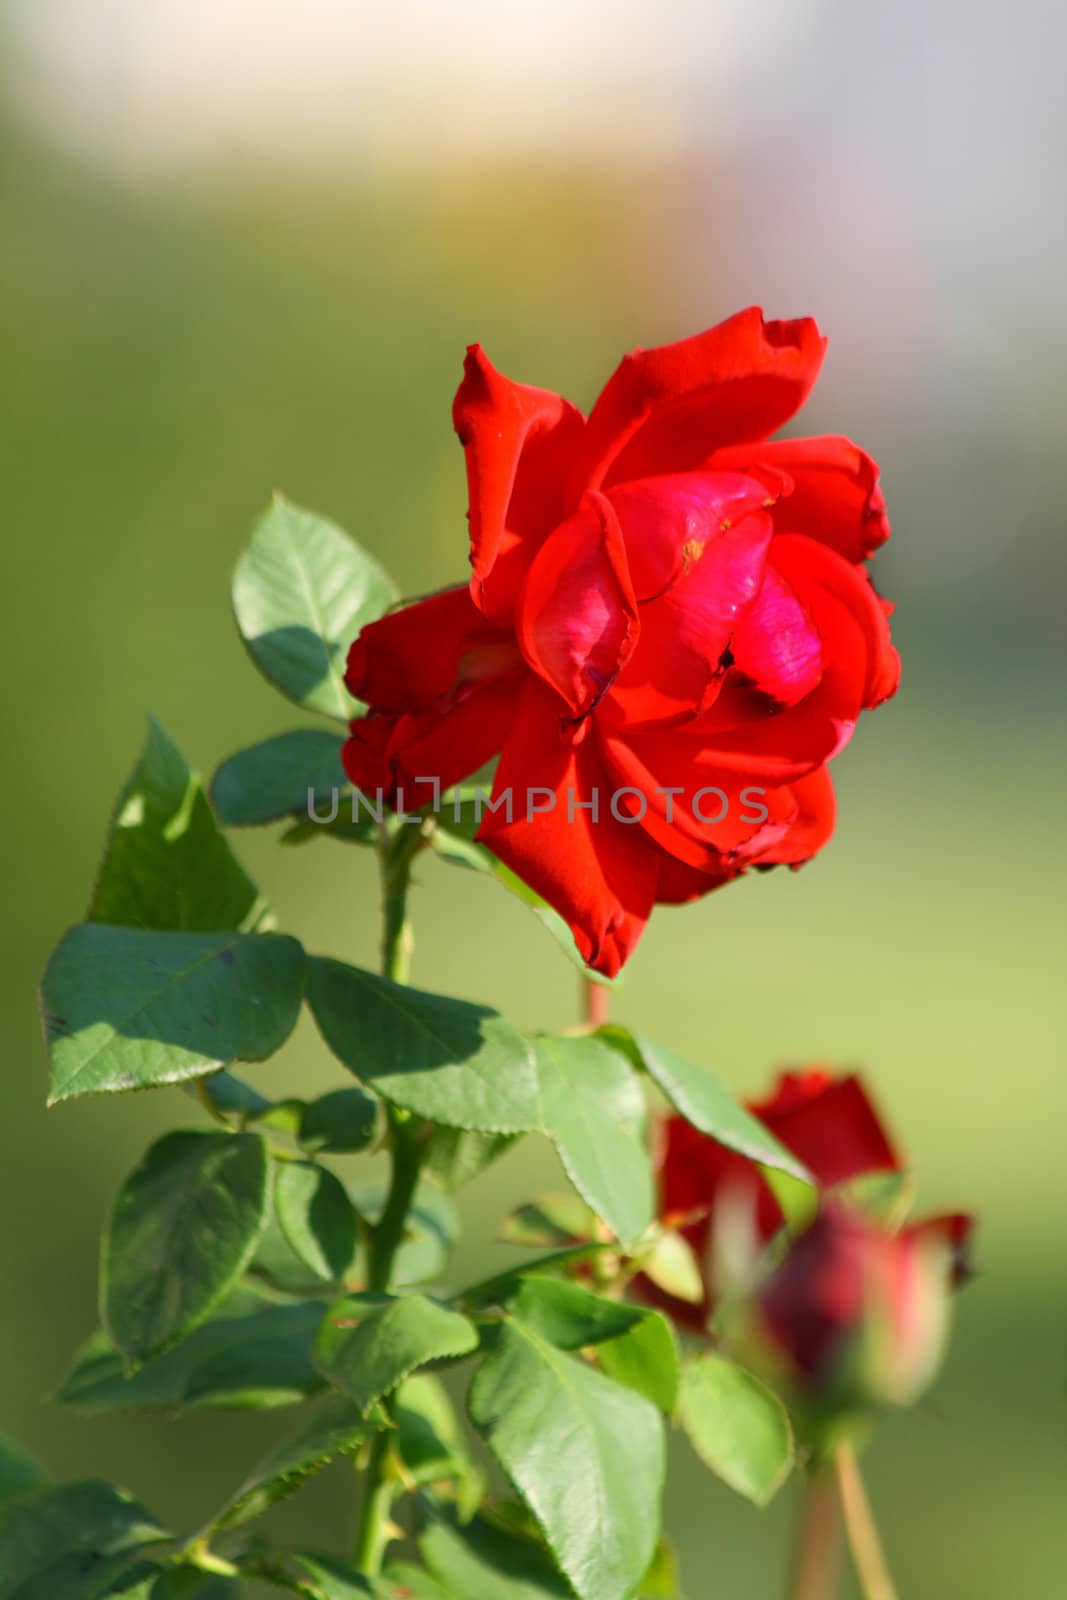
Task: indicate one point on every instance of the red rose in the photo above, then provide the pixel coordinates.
(857, 1313)
(667, 635)
(855, 1310)
(828, 1123)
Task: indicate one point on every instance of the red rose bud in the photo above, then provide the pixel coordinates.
(667, 635)
(856, 1314)
(721, 1203)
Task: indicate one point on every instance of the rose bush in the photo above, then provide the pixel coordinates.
(667, 635)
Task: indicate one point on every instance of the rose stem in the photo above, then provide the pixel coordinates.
(817, 1558)
(594, 1003)
(399, 845)
(863, 1540)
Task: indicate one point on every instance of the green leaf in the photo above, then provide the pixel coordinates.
(18, 1470)
(316, 1218)
(329, 1578)
(333, 1427)
(232, 1096)
(660, 1582)
(183, 1230)
(277, 1265)
(501, 1285)
(369, 1343)
(540, 1410)
(301, 593)
(569, 1316)
(455, 1155)
(341, 1121)
(594, 1114)
(43, 1529)
(167, 866)
(645, 1358)
(428, 1436)
(410, 1583)
(483, 1561)
(175, 1583)
(672, 1266)
(258, 1360)
(551, 1219)
(736, 1425)
(352, 825)
(454, 842)
(709, 1106)
(126, 1008)
(446, 1060)
(271, 780)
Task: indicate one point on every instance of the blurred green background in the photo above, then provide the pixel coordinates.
(177, 345)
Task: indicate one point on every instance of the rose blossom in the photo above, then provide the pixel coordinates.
(663, 601)
(855, 1310)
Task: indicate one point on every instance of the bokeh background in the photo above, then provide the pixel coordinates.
(244, 245)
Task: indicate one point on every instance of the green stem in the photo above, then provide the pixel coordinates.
(400, 845)
(863, 1540)
(817, 1562)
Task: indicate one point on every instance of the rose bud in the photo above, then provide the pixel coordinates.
(721, 1204)
(856, 1314)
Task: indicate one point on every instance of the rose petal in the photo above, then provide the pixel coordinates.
(599, 875)
(776, 645)
(812, 826)
(577, 619)
(830, 1124)
(668, 409)
(437, 647)
(519, 443)
(811, 568)
(835, 497)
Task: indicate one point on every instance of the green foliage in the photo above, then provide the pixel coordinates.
(594, 1113)
(708, 1105)
(316, 1218)
(370, 1343)
(342, 1121)
(446, 1060)
(255, 1356)
(332, 1427)
(432, 1229)
(454, 842)
(737, 1426)
(645, 1358)
(537, 1408)
(272, 780)
(567, 1315)
(167, 865)
(671, 1264)
(301, 593)
(456, 1155)
(126, 1008)
(486, 1560)
(183, 1230)
(497, 1289)
(428, 1437)
(551, 1219)
(660, 1582)
(18, 1470)
(325, 1578)
(71, 1541)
